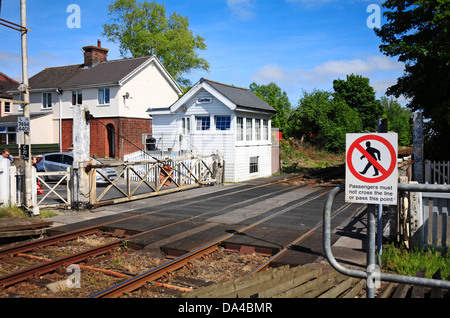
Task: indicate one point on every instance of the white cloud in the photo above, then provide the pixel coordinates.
(242, 8)
(381, 70)
(274, 73)
(358, 66)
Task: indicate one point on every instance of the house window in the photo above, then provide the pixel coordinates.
(186, 126)
(8, 136)
(103, 96)
(258, 129)
(203, 123)
(7, 107)
(249, 129)
(20, 100)
(223, 122)
(77, 97)
(254, 164)
(46, 100)
(265, 129)
(240, 129)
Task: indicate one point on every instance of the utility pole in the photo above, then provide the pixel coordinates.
(26, 99)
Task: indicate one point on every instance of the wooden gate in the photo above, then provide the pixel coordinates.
(56, 194)
(143, 179)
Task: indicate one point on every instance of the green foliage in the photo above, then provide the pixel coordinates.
(359, 95)
(13, 212)
(323, 120)
(398, 120)
(408, 262)
(279, 100)
(142, 29)
(300, 156)
(418, 33)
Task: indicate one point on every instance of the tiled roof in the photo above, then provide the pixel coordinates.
(7, 84)
(53, 77)
(242, 97)
(111, 72)
(73, 76)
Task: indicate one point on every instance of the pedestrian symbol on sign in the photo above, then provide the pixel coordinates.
(373, 153)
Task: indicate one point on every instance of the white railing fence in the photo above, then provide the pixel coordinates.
(437, 172)
(434, 219)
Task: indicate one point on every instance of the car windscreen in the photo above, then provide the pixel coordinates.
(54, 158)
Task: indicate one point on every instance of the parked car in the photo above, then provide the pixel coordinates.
(54, 162)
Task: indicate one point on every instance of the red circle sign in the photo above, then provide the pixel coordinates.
(385, 173)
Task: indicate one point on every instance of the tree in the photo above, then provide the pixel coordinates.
(324, 121)
(418, 33)
(360, 96)
(398, 120)
(142, 29)
(279, 100)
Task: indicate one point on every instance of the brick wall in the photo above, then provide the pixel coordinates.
(66, 132)
(128, 130)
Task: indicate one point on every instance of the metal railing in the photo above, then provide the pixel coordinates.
(371, 274)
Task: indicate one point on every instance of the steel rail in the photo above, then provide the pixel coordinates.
(43, 268)
(18, 276)
(138, 281)
(296, 241)
(158, 272)
(28, 246)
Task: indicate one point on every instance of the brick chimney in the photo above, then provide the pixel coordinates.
(94, 54)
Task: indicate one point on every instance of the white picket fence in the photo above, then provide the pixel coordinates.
(437, 172)
(5, 192)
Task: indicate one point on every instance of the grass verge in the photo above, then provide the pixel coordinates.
(401, 261)
(18, 213)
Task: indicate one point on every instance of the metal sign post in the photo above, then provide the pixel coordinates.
(377, 276)
(371, 178)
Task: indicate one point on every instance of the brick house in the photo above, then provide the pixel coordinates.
(7, 130)
(6, 84)
(117, 93)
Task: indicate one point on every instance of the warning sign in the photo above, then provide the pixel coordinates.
(371, 169)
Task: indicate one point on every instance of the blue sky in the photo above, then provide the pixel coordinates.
(298, 44)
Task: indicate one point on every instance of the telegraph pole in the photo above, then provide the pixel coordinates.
(26, 99)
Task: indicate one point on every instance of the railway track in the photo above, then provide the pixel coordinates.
(135, 281)
(161, 271)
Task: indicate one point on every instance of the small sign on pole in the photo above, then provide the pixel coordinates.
(23, 124)
(371, 168)
(25, 152)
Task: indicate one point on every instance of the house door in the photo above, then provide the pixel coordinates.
(111, 140)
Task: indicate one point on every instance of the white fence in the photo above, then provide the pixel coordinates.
(4, 182)
(435, 215)
(189, 165)
(437, 172)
